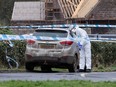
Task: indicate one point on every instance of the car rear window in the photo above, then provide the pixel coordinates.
(51, 33)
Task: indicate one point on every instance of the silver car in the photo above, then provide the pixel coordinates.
(54, 48)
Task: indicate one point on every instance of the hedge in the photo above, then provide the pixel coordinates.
(103, 53)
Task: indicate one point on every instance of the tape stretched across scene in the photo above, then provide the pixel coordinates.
(26, 37)
(60, 26)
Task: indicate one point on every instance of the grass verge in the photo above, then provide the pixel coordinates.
(60, 83)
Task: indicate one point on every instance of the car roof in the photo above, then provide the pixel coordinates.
(64, 29)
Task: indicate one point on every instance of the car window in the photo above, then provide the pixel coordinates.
(51, 33)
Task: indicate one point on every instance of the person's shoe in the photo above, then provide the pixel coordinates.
(81, 70)
(88, 70)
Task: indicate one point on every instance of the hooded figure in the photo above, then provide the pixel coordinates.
(84, 45)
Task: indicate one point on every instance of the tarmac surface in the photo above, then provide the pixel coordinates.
(42, 76)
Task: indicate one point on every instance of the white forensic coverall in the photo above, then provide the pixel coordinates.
(85, 51)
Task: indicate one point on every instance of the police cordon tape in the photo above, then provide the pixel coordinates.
(27, 37)
(59, 26)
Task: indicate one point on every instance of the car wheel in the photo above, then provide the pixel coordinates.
(46, 68)
(73, 67)
(29, 67)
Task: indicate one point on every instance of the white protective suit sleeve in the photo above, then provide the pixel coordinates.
(82, 36)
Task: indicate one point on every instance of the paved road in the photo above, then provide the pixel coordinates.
(35, 76)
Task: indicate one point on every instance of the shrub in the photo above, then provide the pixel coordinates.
(103, 53)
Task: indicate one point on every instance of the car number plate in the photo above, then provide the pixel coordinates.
(47, 46)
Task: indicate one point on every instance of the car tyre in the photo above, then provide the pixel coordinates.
(73, 67)
(29, 66)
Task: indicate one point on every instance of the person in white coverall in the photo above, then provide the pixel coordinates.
(84, 45)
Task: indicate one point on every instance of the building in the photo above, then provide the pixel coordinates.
(35, 13)
(66, 11)
(90, 12)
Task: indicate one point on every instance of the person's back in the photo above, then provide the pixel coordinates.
(82, 36)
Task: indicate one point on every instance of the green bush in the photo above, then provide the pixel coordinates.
(103, 53)
(16, 52)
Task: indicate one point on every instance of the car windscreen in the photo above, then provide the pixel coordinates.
(51, 33)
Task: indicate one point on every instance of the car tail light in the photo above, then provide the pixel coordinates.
(66, 43)
(30, 42)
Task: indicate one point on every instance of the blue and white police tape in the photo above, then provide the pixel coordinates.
(59, 26)
(26, 37)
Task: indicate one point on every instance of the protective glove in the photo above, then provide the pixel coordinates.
(79, 45)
